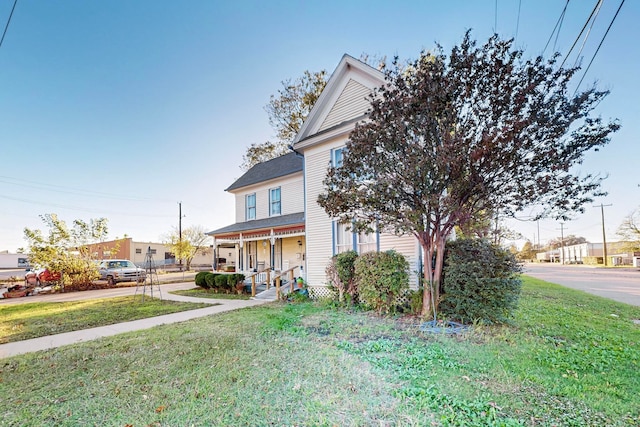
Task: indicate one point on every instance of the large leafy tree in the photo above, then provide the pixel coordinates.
(527, 252)
(450, 137)
(192, 242)
(287, 111)
(64, 249)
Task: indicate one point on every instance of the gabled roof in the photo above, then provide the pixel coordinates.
(274, 168)
(261, 224)
(348, 71)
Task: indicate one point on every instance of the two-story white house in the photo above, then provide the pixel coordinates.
(321, 140)
(278, 219)
(269, 231)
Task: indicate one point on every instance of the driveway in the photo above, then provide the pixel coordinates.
(618, 284)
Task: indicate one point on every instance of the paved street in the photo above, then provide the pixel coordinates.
(618, 284)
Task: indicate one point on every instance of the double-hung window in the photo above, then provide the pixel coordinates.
(251, 206)
(343, 238)
(367, 242)
(336, 157)
(275, 206)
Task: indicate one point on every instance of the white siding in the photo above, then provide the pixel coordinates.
(262, 202)
(409, 247)
(240, 207)
(291, 196)
(318, 227)
(351, 103)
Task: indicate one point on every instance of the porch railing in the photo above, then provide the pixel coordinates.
(284, 273)
(265, 276)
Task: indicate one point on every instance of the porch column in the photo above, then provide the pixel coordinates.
(272, 239)
(215, 255)
(240, 254)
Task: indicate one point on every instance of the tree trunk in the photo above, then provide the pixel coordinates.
(432, 275)
(427, 308)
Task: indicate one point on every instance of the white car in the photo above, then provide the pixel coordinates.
(120, 270)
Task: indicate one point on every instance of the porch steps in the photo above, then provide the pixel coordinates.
(270, 294)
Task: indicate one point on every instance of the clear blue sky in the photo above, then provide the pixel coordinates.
(121, 109)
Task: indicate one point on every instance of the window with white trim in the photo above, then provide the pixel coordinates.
(367, 242)
(343, 238)
(337, 156)
(275, 205)
(251, 206)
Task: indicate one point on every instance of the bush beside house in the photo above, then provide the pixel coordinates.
(481, 282)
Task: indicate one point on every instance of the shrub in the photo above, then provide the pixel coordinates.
(381, 277)
(221, 282)
(481, 282)
(341, 274)
(210, 280)
(201, 279)
(235, 281)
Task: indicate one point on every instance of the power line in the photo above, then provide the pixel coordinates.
(518, 19)
(75, 208)
(593, 11)
(599, 45)
(559, 22)
(6, 27)
(71, 190)
(588, 33)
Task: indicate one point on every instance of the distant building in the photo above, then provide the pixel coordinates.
(137, 251)
(591, 253)
(8, 260)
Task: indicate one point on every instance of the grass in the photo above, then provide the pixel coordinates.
(568, 359)
(32, 320)
(209, 293)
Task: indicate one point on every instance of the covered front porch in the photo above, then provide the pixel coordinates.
(275, 244)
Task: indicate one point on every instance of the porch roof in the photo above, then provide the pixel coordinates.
(261, 224)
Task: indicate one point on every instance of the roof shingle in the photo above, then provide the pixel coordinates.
(274, 168)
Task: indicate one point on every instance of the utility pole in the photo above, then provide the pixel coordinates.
(604, 236)
(180, 232)
(562, 243)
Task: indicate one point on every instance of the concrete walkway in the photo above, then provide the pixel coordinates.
(59, 340)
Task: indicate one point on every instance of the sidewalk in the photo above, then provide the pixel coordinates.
(59, 340)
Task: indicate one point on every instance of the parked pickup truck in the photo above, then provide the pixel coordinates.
(120, 270)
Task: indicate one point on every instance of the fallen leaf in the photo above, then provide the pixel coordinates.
(160, 409)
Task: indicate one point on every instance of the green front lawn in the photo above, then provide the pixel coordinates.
(568, 359)
(32, 320)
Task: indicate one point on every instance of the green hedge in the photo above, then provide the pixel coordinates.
(381, 277)
(210, 279)
(481, 282)
(201, 279)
